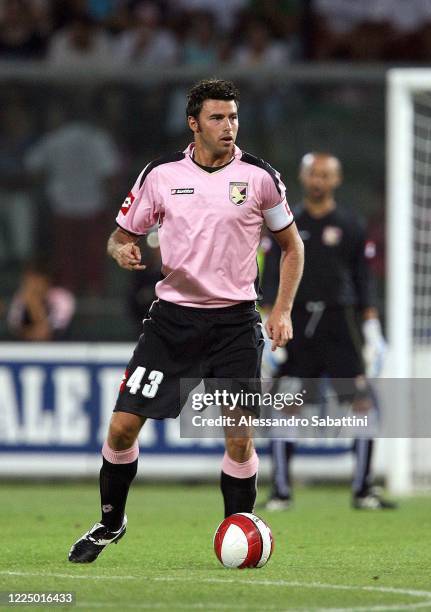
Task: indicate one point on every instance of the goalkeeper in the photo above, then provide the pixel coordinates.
(335, 291)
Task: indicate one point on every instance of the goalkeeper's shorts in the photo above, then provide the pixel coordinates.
(325, 343)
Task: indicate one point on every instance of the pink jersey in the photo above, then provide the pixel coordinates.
(209, 224)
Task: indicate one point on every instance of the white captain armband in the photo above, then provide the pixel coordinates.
(278, 217)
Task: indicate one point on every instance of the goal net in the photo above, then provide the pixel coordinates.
(409, 266)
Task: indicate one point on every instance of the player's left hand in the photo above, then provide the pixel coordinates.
(279, 328)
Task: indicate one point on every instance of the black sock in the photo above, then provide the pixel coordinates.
(282, 453)
(289, 451)
(363, 449)
(239, 494)
(115, 480)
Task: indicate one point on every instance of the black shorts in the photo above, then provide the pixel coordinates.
(181, 346)
(326, 342)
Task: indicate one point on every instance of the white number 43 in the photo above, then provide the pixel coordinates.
(149, 389)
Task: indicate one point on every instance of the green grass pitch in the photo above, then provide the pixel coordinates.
(327, 556)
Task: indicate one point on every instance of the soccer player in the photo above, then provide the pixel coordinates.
(334, 291)
(210, 202)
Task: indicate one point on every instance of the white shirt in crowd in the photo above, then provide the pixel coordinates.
(344, 15)
(275, 54)
(62, 53)
(77, 158)
(160, 49)
(223, 11)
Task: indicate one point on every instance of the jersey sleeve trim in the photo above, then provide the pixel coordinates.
(128, 231)
(283, 228)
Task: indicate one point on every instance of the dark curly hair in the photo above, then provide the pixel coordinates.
(210, 89)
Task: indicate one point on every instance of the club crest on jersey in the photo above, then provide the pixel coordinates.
(127, 203)
(331, 235)
(238, 193)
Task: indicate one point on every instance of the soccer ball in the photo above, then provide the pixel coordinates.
(243, 540)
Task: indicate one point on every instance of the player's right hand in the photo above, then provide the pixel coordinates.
(128, 256)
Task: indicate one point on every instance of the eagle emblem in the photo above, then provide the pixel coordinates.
(238, 193)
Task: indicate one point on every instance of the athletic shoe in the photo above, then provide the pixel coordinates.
(372, 501)
(89, 547)
(276, 504)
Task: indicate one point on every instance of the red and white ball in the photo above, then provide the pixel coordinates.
(243, 540)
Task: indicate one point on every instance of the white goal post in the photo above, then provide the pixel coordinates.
(408, 296)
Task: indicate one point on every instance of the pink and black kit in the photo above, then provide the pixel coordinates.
(204, 323)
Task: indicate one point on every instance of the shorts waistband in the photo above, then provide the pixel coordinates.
(241, 307)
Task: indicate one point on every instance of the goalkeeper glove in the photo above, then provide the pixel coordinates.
(375, 347)
(271, 360)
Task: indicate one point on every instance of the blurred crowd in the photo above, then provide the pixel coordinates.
(169, 33)
(69, 150)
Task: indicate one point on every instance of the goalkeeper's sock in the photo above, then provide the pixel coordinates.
(116, 475)
(282, 453)
(238, 484)
(363, 449)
